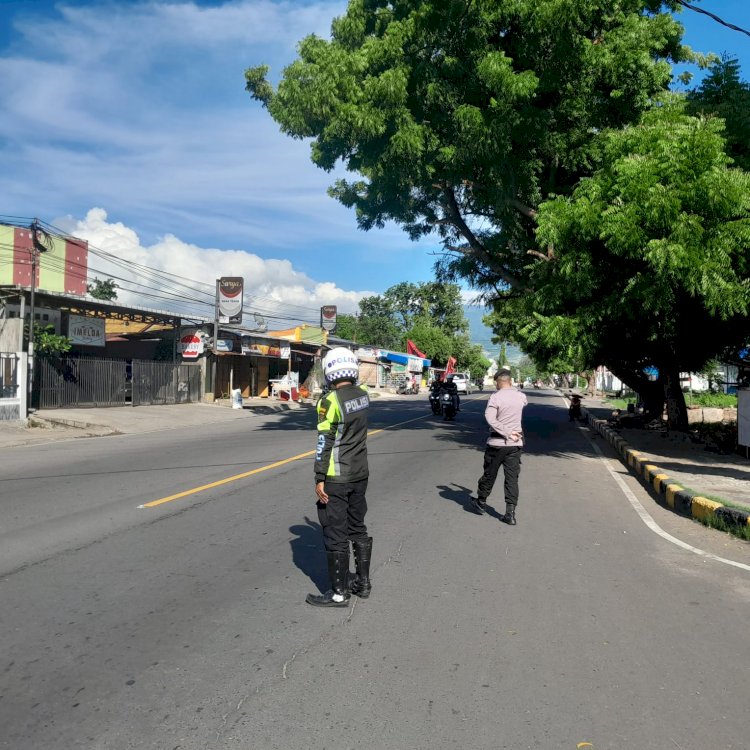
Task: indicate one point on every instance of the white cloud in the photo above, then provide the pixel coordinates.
(180, 276)
(140, 108)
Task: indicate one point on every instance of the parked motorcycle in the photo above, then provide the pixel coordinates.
(574, 410)
(447, 406)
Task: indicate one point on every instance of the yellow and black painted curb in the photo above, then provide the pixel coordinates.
(670, 492)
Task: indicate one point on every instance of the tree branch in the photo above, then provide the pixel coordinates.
(475, 248)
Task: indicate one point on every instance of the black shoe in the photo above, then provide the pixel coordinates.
(478, 507)
(329, 599)
(510, 515)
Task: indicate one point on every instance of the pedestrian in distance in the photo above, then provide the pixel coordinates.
(504, 445)
(341, 476)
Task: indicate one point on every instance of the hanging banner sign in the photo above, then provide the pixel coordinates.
(259, 347)
(229, 302)
(328, 318)
(86, 331)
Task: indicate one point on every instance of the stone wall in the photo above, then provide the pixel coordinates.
(698, 415)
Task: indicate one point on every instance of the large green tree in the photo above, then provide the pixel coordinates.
(723, 93)
(651, 265)
(460, 117)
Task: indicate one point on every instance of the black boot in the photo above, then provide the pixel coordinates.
(338, 572)
(510, 514)
(360, 584)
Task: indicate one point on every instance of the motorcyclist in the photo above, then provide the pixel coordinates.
(434, 396)
(450, 387)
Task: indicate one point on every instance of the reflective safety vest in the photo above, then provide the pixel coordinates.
(341, 454)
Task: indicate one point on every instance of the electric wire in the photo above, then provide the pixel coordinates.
(170, 289)
(713, 16)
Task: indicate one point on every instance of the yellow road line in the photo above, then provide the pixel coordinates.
(193, 491)
(274, 465)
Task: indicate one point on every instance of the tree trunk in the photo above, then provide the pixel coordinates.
(590, 376)
(651, 392)
(676, 407)
(652, 395)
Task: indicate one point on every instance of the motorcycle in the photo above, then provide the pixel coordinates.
(574, 410)
(447, 406)
(435, 402)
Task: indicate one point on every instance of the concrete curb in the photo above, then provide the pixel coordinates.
(47, 422)
(669, 491)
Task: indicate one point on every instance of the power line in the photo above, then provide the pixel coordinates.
(171, 286)
(713, 16)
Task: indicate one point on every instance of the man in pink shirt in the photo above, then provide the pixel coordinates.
(504, 444)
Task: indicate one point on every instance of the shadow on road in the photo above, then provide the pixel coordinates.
(462, 497)
(308, 554)
(547, 429)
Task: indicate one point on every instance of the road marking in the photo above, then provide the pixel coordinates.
(646, 517)
(649, 521)
(267, 467)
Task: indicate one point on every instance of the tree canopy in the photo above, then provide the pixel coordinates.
(459, 117)
(652, 254)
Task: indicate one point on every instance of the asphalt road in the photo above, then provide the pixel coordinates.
(183, 624)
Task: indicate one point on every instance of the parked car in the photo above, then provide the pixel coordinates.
(463, 382)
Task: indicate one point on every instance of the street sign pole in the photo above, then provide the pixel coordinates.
(216, 336)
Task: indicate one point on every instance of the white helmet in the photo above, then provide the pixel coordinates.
(340, 364)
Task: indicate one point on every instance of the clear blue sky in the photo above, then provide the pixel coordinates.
(138, 109)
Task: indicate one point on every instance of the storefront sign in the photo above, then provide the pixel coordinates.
(191, 344)
(256, 347)
(229, 302)
(86, 331)
(224, 345)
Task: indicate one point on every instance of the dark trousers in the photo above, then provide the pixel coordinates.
(343, 516)
(509, 457)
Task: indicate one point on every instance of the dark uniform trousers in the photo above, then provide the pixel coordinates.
(509, 457)
(343, 516)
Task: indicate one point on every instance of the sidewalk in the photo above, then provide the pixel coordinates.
(688, 478)
(50, 425)
(64, 424)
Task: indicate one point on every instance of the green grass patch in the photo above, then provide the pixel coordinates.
(714, 522)
(711, 400)
(618, 403)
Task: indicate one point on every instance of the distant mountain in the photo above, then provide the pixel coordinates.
(482, 335)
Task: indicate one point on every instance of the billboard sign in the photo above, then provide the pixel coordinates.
(86, 331)
(328, 318)
(229, 299)
(257, 347)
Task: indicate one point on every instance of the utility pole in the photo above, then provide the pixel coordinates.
(36, 247)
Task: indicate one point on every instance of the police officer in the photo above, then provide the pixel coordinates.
(503, 415)
(341, 474)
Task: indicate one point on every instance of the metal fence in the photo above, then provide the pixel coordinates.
(165, 383)
(82, 382)
(9, 364)
(94, 382)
